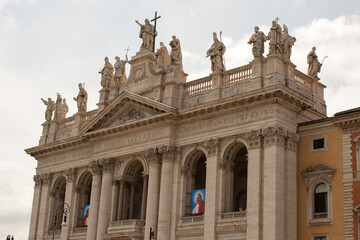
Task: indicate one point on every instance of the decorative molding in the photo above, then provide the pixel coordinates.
(46, 178)
(37, 180)
(274, 135)
(168, 153)
(95, 167)
(254, 138)
(212, 146)
(107, 164)
(70, 174)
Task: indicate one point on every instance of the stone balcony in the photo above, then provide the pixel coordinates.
(132, 229)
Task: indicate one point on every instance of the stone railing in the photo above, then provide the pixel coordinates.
(233, 215)
(320, 215)
(303, 80)
(237, 75)
(131, 222)
(198, 86)
(192, 219)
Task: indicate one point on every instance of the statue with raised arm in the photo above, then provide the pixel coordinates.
(287, 42)
(162, 56)
(275, 38)
(50, 107)
(146, 34)
(216, 53)
(257, 40)
(176, 55)
(314, 64)
(106, 73)
(119, 66)
(81, 99)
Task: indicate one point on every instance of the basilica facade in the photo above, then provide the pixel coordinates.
(214, 158)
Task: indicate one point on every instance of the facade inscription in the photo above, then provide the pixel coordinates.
(66, 157)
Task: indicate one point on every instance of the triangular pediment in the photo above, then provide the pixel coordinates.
(317, 168)
(125, 109)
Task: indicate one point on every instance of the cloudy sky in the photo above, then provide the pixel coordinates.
(49, 46)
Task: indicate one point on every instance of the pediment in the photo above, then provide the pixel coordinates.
(318, 168)
(127, 108)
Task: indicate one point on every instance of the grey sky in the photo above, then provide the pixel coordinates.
(49, 46)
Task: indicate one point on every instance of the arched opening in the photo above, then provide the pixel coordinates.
(235, 178)
(195, 184)
(58, 197)
(320, 199)
(83, 199)
(131, 202)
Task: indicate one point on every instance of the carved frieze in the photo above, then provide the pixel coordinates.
(254, 138)
(37, 180)
(274, 135)
(212, 146)
(70, 174)
(107, 164)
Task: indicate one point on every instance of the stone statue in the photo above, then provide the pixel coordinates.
(314, 64)
(106, 73)
(287, 42)
(176, 55)
(257, 40)
(216, 52)
(162, 56)
(50, 107)
(146, 34)
(119, 66)
(61, 108)
(275, 38)
(81, 99)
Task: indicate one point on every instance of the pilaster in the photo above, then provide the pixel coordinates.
(69, 199)
(212, 147)
(44, 206)
(35, 208)
(94, 200)
(175, 193)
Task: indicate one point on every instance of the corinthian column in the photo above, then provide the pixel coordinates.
(153, 191)
(211, 196)
(94, 200)
(164, 224)
(69, 199)
(254, 184)
(35, 207)
(105, 197)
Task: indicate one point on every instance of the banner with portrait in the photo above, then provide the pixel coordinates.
(85, 215)
(198, 202)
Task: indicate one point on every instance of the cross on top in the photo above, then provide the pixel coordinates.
(154, 20)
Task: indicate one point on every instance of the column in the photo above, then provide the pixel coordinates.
(290, 187)
(152, 206)
(105, 197)
(69, 199)
(132, 195)
(165, 202)
(274, 184)
(211, 196)
(144, 197)
(114, 199)
(94, 201)
(35, 208)
(175, 193)
(44, 206)
(254, 185)
(120, 201)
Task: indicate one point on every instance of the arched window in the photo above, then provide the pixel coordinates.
(195, 184)
(240, 180)
(320, 198)
(83, 198)
(58, 197)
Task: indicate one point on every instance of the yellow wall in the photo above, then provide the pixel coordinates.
(332, 158)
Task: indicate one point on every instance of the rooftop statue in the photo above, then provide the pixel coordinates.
(287, 42)
(257, 40)
(176, 55)
(119, 66)
(275, 38)
(61, 108)
(216, 52)
(314, 64)
(50, 107)
(81, 99)
(106, 73)
(146, 34)
(162, 56)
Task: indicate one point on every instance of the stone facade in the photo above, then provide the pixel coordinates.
(156, 137)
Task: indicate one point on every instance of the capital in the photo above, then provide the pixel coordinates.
(70, 174)
(153, 156)
(107, 164)
(167, 152)
(95, 167)
(37, 180)
(212, 146)
(254, 138)
(291, 140)
(274, 135)
(46, 178)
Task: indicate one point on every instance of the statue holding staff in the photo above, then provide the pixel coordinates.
(314, 64)
(216, 53)
(119, 67)
(81, 99)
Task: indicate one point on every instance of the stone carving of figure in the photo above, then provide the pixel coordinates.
(119, 66)
(81, 99)
(257, 40)
(275, 38)
(106, 73)
(61, 108)
(176, 55)
(216, 52)
(314, 64)
(146, 34)
(50, 107)
(162, 56)
(287, 42)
